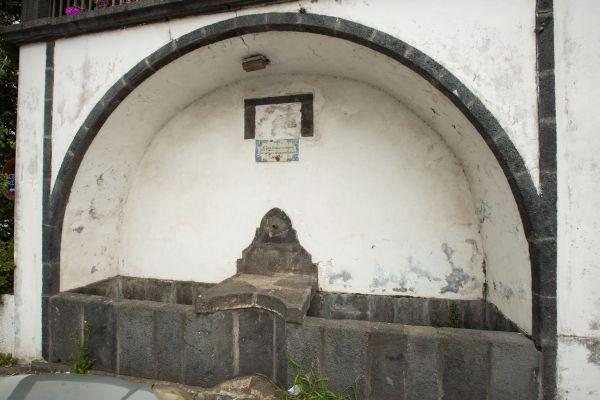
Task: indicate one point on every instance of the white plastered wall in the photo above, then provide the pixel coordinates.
(377, 197)
(28, 204)
(490, 47)
(577, 87)
(7, 323)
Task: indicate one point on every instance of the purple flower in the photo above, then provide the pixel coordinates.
(72, 10)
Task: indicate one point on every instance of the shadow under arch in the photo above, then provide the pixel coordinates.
(507, 156)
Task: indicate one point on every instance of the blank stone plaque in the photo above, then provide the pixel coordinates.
(278, 121)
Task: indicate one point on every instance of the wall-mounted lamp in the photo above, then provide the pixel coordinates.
(255, 63)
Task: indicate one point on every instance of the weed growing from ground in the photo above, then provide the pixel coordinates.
(7, 360)
(80, 360)
(312, 385)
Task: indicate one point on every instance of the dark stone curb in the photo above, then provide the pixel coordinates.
(544, 250)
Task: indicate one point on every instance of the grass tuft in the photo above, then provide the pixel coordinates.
(7, 360)
(312, 385)
(80, 360)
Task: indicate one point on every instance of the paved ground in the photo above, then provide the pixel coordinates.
(40, 380)
(72, 387)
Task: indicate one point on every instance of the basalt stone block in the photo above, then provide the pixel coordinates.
(293, 302)
(159, 290)
(201, 287)
(256, 330)
(317, 305)
(185, 292)
(135, 327)
(66, 324)
(345, 354)
(169, 345)
(304, 344)
(208, 348)
(465, 364)
(105, 288)
(272, 303)
(280, 365)
(421, 363)
(100, 314)
(514, 368)
(387, 348)
(411, 311)
(230, 294)
(496, 321)
(439, 312)
(348, 306)
(133, 288)
(381, 309)
(247, 291)
(276, 249)
(472, 313)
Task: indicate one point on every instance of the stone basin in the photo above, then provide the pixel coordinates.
(201, 334)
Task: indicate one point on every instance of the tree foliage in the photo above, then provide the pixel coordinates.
(9, 13)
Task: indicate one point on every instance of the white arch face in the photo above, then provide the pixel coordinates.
(173, 192)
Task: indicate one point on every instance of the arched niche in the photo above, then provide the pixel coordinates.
(93, 191)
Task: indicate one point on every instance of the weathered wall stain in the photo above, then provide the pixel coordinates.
(484, 211)
(593, 346)
(343, 275)
(507, 291)
(404, 281)
(458, 277)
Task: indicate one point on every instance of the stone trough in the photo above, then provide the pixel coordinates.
(203, 334)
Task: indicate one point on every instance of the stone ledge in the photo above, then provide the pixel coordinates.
(287, 295)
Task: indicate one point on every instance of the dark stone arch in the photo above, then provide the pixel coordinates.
(538, 230)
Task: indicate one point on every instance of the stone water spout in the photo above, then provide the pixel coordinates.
(275, 273)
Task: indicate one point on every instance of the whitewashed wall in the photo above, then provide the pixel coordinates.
(577, 88)
(377, 198)
(7, 323)
(94, 219)
(490, 47)
(28, 203)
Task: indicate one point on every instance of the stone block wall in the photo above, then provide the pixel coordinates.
(391, 361)
(469, 314)
(169, 341)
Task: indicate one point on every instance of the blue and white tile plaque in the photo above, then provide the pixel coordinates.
(280, 150)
